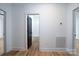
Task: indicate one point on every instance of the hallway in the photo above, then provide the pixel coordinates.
(53, 23)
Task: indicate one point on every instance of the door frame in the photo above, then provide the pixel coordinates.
(4, 30)
(25, 27)
(74, 29)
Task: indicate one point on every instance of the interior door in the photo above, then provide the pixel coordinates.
(29, 32)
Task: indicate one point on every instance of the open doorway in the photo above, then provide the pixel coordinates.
(33, 31)
(76, 30)
(2, 32)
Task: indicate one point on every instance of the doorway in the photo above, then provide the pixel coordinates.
(76, 30)
(33, 31)
(2, 32)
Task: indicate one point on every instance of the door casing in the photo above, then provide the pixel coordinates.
(4, 30)
(74, 29)
(25, 27)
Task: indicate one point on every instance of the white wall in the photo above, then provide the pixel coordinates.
(50, 17)
(77, 25)
(35, 25)
(7, 7)
(18, 30)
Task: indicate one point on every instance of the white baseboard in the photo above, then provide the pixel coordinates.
(52, 49)
(19, 49)
(71, 51)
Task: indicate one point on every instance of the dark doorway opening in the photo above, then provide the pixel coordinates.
(33, 31)
(29, 32)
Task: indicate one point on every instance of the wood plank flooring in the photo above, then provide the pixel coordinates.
(1, 46)
(77, 47)
(37, 53)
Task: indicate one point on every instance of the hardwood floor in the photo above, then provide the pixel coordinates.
(34, 51)
(35, 43)
(77, 47)
(37, 53)
(1, 46)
